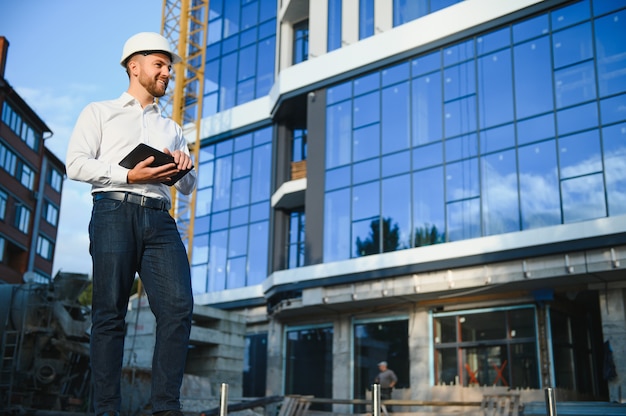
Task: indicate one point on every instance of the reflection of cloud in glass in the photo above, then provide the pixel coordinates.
(499, 197)
(464, 219)
(583, 198)
(615, 177)
(592, 164)
(539, 199)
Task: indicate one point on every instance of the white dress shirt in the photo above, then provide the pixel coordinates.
(106, 131)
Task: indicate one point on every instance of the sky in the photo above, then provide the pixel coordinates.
(64, 54)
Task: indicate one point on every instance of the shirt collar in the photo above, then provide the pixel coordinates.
(127, 100)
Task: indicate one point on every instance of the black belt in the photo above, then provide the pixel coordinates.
(144, 201)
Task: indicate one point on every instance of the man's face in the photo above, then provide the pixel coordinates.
(155, 71)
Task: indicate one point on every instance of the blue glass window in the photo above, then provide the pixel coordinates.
(533, 78)
(495, 83)
(426, 111)
(337, 225)
(334, 25)
(396, 210)
(232, 203)
(572, 45)
(429, 224)
(296, 245)
(611, 55)
(583, 198)
(614, 147)
(301, 42)
(499, 193)
(366, 142)
(240, 53)
(366, 18)
(539, 187)
(407, 10)
(396, 118)
(338, 134)
(518, 128)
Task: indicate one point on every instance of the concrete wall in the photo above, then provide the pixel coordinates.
(613, 310)
(217, 341)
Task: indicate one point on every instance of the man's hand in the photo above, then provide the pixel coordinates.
(182, 160)
(143, 173)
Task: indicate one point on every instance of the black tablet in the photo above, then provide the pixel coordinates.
(142, 152)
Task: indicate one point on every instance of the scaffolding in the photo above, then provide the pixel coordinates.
(184, 24)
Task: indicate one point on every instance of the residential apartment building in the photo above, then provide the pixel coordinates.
(31, 181)
(440, 184)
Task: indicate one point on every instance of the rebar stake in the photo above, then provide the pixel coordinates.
(376, 400)
(550, 402)
(223, 399)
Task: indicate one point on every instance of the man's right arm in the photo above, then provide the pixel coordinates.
(84, 148)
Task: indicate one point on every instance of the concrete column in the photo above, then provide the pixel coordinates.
(285, 45)
(275, 362)
(419, 354)
(342, 364)
(613, 310)
(383, 16)
(318, 28)
(349, 22)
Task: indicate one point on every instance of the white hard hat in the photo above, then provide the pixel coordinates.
(147, 42)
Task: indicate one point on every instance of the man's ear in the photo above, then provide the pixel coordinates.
(133, 67)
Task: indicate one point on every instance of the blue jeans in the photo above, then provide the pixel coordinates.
(126, 238)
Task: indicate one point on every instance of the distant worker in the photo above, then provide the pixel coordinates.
(131, 230)
(387, 380)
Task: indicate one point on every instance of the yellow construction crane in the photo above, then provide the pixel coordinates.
(184, 23)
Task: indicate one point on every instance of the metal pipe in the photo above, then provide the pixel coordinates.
(376, 400)
(224, 399)
(550, 402)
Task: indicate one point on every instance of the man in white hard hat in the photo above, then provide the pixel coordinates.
(131, 230)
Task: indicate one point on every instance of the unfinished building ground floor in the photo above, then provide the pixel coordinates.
(452, 335)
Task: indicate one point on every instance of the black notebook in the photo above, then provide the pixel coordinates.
(142, 152)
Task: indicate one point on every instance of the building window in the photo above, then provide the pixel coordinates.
(295, 253)
(300, 42)
(50, 213)
(299, 145)
(2, 248)
(55, 179)
(309, 363)
(572, 347)
(405, 11)
(334, 25)
(8, 160)
(27, 177)
(22, 218)
(380, 340)
(42, 277)
(3, 205)
(231, 231)
(255, 365)
(240, 53)
(44, 247)
(484, 123)
(22, 129)
(366, 18)
(487, 347)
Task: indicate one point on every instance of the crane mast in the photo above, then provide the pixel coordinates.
(184, 24)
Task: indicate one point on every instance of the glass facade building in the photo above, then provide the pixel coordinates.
(402, 183)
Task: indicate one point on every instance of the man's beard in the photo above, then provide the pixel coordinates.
(153, 86)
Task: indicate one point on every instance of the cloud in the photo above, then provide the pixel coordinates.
(72, 245)
(61, 109)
